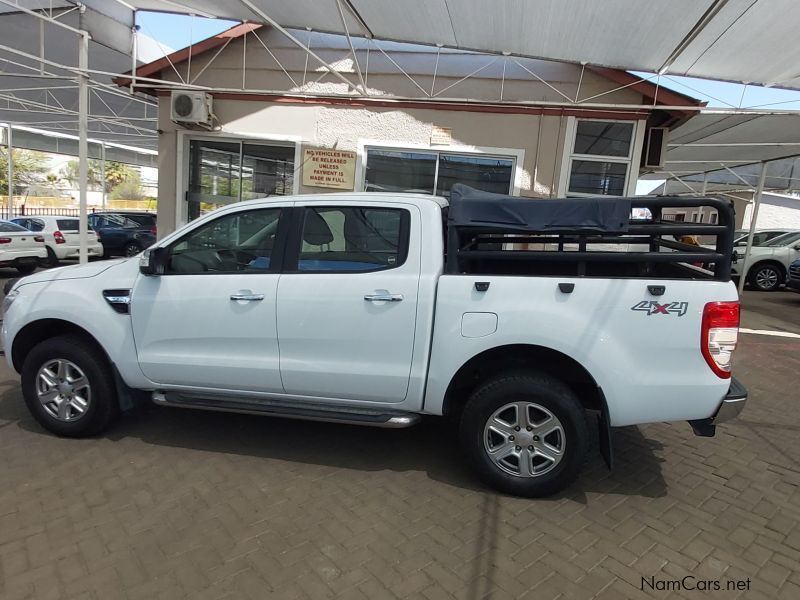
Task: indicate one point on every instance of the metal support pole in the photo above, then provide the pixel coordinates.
(103, 171)
(83, 144)
(753, 218)
(703, 194)
(10, 174)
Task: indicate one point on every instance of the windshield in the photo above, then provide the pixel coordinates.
(784, 240)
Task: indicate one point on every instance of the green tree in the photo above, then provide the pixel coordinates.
(71, 174)
(30, 167)
(129, 188)
(117, 172)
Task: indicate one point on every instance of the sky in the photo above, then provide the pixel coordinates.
(178, 31)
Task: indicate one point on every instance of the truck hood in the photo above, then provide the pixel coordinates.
(91, 269)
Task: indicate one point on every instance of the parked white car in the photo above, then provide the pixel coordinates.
(61, 237)
(20, 248)
(376, 308)
(768, 264)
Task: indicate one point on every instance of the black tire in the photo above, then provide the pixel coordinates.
(103, 406)
(765, 277)
(131, 249)
(52, 259)
(26, 269)
(550, 394)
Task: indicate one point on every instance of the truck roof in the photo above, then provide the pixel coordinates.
(372, 196)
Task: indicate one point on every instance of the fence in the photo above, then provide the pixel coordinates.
(33, 206)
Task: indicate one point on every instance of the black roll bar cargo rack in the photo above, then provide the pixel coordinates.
(477, 219)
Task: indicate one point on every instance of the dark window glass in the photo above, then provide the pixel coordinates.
(235, 243)
(7, 226)
(21, 222)
(400, 171)
(266, 171)
(483, 173)
(596, 177)
(352, 239)
(603, 138)
(68, 224)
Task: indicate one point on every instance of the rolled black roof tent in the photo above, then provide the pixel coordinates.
(487, 226)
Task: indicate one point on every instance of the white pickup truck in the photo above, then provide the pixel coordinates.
(519, 318)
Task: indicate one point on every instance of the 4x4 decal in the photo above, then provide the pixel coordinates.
(651, 307)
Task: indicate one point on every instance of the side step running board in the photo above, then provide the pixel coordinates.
(309, 412)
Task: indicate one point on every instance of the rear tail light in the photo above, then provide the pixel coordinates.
(720, 332)
(5, 240)
(59, 237)
(38, 238)
(154, 230)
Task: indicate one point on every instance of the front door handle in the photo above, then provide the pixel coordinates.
(248, 297)
(385, 297)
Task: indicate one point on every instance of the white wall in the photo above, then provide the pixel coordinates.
(776, 211)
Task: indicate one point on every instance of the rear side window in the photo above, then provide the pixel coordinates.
(68, 224)
(352, 239)
(7, 227)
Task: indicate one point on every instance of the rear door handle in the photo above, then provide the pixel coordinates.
(248, 297)
(383, 297)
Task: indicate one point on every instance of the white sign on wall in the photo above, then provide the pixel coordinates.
(329, 168)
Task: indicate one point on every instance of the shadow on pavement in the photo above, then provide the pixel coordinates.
(431, 446)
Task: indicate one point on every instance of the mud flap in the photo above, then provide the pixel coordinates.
(604, 434)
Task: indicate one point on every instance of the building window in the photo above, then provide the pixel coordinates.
(433, 171)
(226, 171)
(600, 158)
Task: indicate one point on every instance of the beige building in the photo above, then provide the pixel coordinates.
(403, 117)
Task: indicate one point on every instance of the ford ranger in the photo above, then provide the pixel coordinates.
(525, 320)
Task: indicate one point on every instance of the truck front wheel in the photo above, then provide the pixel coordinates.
(525, 433)
(68, 387)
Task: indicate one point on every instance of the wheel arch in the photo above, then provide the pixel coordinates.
(521, 356)
(42, 329)
(768, 261)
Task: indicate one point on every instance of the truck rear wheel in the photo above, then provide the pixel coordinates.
(525, 433)
(68, 387)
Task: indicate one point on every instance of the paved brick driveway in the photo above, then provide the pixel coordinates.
(177, 503)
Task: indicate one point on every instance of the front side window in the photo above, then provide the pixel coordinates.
(241, 242)
(429, 172)
(600, 158)
(353, 239)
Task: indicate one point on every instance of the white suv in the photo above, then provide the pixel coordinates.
(768, 264)
(60, 236)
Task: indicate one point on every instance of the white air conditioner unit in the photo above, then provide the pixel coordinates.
(191, 108)
(655, 147)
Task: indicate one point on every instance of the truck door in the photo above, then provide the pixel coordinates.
(347, 301)
(209, 320)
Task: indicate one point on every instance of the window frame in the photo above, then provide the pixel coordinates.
(516, 155)
(294, 244)
(277, 259)
(630, 161)
(182, 166)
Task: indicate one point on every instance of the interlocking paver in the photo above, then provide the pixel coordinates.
(174, 504)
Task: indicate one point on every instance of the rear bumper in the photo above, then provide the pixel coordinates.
(730, 407)
(64, 251)
(793, 285)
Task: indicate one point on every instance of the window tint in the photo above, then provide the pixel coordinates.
(784, 240)
(353, 239)
(20, 222)
(35, 225)
(603, 138)
(400, 171)
(8, 227)
(595, 177)
(416, 171)
(235, 243)
(68, 224)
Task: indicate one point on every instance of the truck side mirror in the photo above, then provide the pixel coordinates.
(153, 261)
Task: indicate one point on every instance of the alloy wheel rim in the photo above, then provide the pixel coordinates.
(766, 278)
(131, 251)
(63, 390)
(524, 439)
